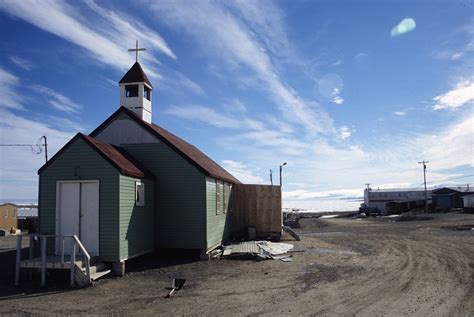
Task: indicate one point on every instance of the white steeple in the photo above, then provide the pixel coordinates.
(136, 90)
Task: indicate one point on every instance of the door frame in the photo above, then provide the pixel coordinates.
(58, 214)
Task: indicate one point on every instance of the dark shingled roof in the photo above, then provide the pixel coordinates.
(114, 155)
(191, 153)
(135, 75)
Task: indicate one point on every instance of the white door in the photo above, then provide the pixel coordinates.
(78, 214)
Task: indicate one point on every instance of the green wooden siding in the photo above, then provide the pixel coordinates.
(136, 222)
(92, 167)
(218, 223)
(180, 196)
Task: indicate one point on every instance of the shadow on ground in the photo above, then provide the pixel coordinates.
(161, 259)
(57, 281)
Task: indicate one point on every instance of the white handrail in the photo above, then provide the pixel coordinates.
(88, 257)
(43, 240)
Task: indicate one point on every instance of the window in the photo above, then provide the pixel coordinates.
(139, 194)
(147, 93)
(131, 91)
(227, 197)
(219, 197)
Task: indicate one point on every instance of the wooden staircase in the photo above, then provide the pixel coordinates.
(83, 269)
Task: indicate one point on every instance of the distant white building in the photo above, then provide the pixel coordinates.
(387, 200)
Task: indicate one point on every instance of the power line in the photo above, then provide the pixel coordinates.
(449, 179)
(39, 146)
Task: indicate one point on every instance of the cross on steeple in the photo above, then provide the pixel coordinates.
(136, 50)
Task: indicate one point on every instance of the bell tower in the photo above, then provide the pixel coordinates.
(136, 90)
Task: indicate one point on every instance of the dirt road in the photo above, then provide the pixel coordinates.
(345, 267)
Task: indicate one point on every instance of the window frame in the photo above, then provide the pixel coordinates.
(147, 93)
(219, 197)
(129, 90)
(139, 194)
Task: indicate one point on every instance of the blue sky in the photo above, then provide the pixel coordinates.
(346, 92)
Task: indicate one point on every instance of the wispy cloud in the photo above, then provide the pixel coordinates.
(22, 63)
(220, 119)
(457, 137)
(405, 26)
(337, 100)
(400, 113)
(120, 25)
(243, 172)
(18, 177)
(10, 98)
(345, 132)
(457, 45)
(330, 86)
(461, 95)
(104, 39)
(235, 105)
(359, 57)
(175, 81)
(57, 100)
(204, 114)
(223, 35)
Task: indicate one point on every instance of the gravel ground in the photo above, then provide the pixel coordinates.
(368, 267)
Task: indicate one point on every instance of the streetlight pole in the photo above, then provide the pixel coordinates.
(281, 168)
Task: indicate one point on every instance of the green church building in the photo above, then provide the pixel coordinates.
(131, 187)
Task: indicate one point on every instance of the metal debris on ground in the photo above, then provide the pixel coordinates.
(263, 250)
(178, 283)
(291, 232)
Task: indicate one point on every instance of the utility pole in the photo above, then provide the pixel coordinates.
(424, 178)
(271, 177)
(45, 148)
(368, 197)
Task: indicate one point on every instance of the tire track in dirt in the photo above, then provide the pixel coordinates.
(412, 274)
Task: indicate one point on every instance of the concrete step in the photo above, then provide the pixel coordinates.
(97, 267)
(97, 270)
(99, 274)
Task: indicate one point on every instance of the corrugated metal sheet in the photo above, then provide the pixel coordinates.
(27, 212)
(243, 247)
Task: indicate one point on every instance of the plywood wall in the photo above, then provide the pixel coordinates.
(257, 206)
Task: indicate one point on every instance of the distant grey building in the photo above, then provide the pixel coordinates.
(396, 199)
(27, 217)
(450, 197)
